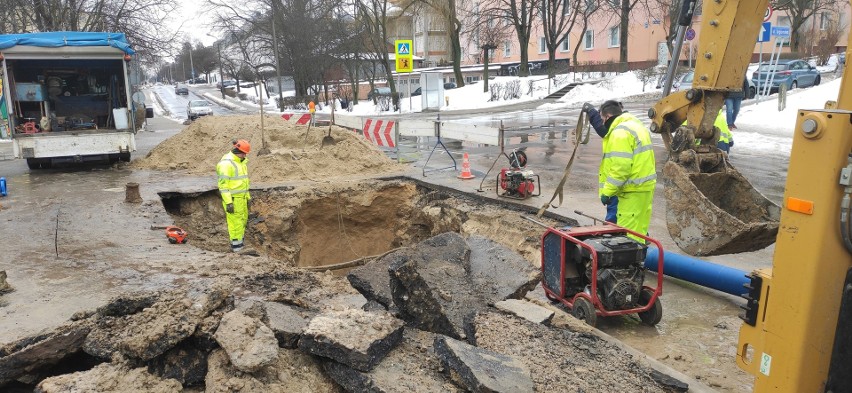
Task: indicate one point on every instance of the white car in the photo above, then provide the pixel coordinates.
(198, 108)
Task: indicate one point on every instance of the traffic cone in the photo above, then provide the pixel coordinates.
(465, 174)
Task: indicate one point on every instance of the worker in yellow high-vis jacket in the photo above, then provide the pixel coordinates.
(234, 188)
(627, 175)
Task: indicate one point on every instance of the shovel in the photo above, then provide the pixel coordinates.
(328, 140)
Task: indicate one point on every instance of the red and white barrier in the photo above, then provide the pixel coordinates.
(380, 132)
(298, 118)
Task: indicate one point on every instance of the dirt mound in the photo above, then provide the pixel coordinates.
(199, 147)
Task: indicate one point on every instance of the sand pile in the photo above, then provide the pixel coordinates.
(200, 145)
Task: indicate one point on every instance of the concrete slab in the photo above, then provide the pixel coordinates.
(287, 322)
(481, 370)
(526, 310)
(249, 343)
(410, 367)
(354, 337)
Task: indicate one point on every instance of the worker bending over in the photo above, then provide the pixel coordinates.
(627, 175)
(234, 188)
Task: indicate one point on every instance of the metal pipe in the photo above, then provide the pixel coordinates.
(707, 274)
(684, 20)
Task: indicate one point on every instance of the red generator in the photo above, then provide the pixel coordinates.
(599, 271)
(518, 182)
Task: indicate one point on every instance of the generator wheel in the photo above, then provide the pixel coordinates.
(172, 240)
(584, 311)
(655, 314)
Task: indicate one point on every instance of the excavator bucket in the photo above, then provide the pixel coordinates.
(717, 213)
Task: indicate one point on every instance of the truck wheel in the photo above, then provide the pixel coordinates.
(125, 156)
(584, 311)
(655, 313)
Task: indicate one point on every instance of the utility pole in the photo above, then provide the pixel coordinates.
(221, 73)
(191, 66)
(277, 57)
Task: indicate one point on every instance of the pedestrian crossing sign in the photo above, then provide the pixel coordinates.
(403, 47)
(404, 57)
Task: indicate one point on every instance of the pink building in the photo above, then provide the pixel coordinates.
(600, 42)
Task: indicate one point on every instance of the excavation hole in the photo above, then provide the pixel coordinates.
(329, 224)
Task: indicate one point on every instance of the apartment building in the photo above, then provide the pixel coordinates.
(600, 41)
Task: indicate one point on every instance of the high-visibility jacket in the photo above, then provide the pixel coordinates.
(628, 163)
(721, 123)
(233, 177)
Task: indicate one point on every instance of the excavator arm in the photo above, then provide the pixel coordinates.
(711, 208)
(797, 330)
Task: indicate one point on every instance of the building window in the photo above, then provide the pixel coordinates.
(591, 5)
(542, 45)
(508, 19)
(614, 36)
(823, 21)
(566, 45)
(490, 22)
(589, 40)
(507, 49)
(566, 7)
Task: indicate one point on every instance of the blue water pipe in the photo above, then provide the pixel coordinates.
(706, 274)
(3, 186)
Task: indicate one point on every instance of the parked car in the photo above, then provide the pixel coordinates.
(449, 85)
(198, 108)
(685, 83)
(379, 91)
(181, 89)
(417, 92)
(793, 73)
(226, 83)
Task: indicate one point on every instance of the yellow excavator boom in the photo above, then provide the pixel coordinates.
(797, 330)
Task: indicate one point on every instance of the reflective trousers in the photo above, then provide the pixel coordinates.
(632, 211)
(237, 220)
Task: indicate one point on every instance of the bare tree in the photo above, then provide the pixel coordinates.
(144, 22)
(454, 12)
(588, 11)
(521, 14)
(557, 20)
(374, 16)
(830, 32)
(484, 33)
(800, 11)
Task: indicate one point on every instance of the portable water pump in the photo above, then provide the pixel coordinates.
(518, 182)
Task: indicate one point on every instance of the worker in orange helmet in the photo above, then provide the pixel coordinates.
(234, 189)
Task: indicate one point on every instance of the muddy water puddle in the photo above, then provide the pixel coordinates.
(329, 224)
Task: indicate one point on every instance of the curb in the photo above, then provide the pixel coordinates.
(221, 102)
(166, 111)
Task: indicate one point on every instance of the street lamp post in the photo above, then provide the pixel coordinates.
(221, 74)
(191, 66)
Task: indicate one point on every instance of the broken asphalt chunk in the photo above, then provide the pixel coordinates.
(354, 337)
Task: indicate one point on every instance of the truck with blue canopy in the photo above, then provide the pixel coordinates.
(66, 97)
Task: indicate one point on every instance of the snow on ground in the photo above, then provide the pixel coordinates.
(761, 127)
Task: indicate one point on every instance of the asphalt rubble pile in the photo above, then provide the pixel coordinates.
(443, 315)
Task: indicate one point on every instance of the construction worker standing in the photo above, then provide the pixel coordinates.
(234, 188)
(627, 175)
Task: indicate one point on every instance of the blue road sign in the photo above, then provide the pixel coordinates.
(690, 34)
(781, 31)
(764, 32)
(403, 49)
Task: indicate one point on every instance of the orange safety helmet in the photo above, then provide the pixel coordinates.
(243, 146)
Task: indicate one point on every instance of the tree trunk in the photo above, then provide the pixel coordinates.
(456, 44)
(525, 58)
(623, 29)
(551, 62)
